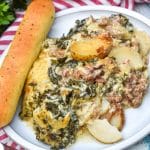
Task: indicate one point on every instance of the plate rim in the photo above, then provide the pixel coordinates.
(126, 143)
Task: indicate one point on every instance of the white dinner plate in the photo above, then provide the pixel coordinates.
(137, 120)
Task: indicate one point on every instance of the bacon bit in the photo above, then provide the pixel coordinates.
(98, 66)
(57, 53)
(65, 72)
(77, 74)
(89, 72)
(100, 80)
(89, 78)
(89, 67)
(114, 98)
(103, 21)
(127, 61)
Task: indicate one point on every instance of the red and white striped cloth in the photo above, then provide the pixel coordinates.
(8, 35)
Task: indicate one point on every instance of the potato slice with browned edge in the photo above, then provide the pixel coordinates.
(91, 48)
(103, 131)
(118, 119)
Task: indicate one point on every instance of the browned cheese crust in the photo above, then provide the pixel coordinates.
(22, 53)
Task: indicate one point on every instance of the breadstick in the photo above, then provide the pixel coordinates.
(21, 55)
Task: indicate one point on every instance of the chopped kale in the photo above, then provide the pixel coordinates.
(82, 89)
(67, 135)
(61, 61)
(78, 27)
(54, 77)
(52, 107)
(80, 23)
(71, 63)
(62, 42)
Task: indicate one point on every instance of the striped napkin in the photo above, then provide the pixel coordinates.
(8, 35)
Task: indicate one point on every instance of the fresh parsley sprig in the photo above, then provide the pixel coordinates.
(7, 15)
(7, 12)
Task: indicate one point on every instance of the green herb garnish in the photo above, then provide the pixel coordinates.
(7, 15)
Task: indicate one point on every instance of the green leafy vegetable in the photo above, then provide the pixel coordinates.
(7, 11)
(7, 15)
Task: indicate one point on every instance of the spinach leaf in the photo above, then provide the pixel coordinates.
(54, 77)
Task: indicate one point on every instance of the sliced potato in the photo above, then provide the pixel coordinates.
(144, 40)
(84, 112)
(127, 58)
(87, 110)
(91, 48)
(108, 115)
(105, 106)
(103, 131)
(117, 119)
